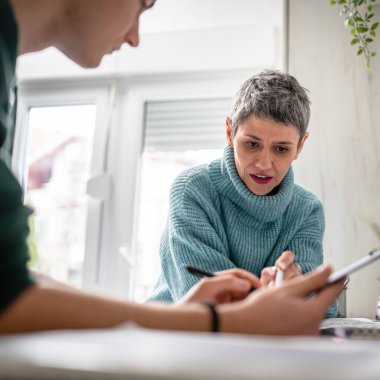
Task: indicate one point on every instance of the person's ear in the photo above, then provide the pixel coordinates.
(229, 133)
(301, 144)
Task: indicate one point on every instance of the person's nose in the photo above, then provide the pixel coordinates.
(263, 160)
(132, 37)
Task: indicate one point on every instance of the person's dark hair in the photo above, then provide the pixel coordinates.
(272, 95)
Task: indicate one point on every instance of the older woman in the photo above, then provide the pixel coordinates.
(244, 210)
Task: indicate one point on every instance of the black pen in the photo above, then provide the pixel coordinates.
(202, 273)
(198, 272)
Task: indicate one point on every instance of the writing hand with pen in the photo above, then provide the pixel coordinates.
(221, 287)
(235, 284)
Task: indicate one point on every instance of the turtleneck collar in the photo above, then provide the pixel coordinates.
(260, 208)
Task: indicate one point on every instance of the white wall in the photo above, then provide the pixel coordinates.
(341, 162)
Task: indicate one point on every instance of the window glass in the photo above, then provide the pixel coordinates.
(59, 156)
(178, 135)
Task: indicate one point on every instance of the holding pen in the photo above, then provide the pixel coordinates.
(270, 275)
(202, 273)
(284, 269)
(229, 285)
(279, 276)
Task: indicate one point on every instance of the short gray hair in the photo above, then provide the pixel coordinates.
(272, 95)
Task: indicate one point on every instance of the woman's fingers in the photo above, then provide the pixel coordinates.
(285, 260)
(291, 271)
(285, 263)
(267, 276)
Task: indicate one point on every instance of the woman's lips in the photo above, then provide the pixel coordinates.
(261, 179)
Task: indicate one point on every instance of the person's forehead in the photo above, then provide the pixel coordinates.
(262, 126)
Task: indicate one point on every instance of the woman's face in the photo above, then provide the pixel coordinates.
(264, 151)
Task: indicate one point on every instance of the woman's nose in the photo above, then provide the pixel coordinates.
(263, 160)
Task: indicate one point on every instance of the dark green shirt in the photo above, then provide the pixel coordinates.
(14, 276)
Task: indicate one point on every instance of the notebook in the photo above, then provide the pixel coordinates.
(354, 328)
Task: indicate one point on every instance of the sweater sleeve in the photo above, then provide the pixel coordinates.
(307, 242)
(14, 275)
(194, 235)
(307, 245)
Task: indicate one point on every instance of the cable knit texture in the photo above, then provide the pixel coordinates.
(216, 223)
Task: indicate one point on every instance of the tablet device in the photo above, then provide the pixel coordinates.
(338, 275)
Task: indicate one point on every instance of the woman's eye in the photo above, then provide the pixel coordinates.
(281, 149)
(252, 144)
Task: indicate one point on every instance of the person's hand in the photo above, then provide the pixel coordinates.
(284, 309)
(286, 263)
(227, 286)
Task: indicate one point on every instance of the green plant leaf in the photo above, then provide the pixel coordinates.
(362, 29)
(357, 15)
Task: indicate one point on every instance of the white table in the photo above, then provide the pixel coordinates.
(131, 353)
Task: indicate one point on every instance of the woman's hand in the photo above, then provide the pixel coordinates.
(227, 286)
(285, 263)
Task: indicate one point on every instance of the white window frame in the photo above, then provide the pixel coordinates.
(37, 93)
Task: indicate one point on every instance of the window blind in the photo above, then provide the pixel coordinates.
(178, 125)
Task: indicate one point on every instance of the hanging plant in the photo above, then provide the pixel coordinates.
(358, 15)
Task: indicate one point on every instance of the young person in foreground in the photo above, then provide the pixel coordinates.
(85, 31)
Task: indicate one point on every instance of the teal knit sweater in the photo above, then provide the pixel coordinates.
(216, 223)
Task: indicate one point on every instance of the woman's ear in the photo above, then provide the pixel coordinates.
(301, 144)
(229, 133)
